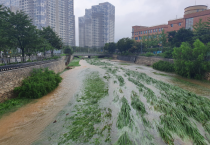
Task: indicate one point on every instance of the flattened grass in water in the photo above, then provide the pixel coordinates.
(97, 62)
(124, 117)
(178, 106)
(124, 140)
(88, 113)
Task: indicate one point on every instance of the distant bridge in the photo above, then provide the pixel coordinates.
(91, 54)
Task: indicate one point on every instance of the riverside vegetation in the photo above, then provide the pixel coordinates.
(40, 83)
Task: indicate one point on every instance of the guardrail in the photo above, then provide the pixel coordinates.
(22, 65)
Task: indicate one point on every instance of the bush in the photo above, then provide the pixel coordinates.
(191, 62)
(168, 54)
(149, 54)
(40, 83)
(164, 66)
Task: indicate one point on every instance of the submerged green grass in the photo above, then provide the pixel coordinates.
(124, 140)
(74, 62)
(178, 106)
(124, 117)
(82, 125)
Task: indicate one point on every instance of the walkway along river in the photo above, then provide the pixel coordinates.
(113, 102)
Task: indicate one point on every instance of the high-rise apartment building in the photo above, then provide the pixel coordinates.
(58, 14)
(97, 27)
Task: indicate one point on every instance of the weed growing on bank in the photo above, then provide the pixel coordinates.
(40, 83)
(85, 125)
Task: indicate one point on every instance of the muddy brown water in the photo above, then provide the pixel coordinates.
(24, 126)
(34, 122)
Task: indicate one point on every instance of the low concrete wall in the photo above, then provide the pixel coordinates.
(141, 59)
(150, 60)
(13, 78)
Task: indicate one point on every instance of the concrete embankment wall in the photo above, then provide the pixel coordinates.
(13, 78)
(141, 59)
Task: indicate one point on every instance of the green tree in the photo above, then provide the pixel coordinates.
(124, 44)
(110, 47)
(202, 31)
(21, 30)
(163, 38)
(183, 35)
(6, 42)
(190, 62)
(68, 50)
(52, 38)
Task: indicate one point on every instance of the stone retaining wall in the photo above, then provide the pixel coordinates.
(13, 78)
(141, 59)
(150, 60)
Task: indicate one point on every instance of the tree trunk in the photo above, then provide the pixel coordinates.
(52, 53)
(23, 55)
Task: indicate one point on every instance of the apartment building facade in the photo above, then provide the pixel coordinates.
(97, 27)
(192, 15)
(58, 14)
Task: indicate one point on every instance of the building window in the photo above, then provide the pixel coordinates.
(159, 29)
(139, 38)
(198, 10)
(144, 32)
(141, 32)
(154, 30)
(180, 24)
(172, 25)
(189, 23)
(136, 38)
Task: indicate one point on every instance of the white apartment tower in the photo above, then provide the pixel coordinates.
(97, 27)
(58, 14)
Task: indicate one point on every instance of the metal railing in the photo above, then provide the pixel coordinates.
(23, 65)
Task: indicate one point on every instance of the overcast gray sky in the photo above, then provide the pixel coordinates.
(137, 12)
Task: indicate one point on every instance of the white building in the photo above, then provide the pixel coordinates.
(58, 14)
(97, 27)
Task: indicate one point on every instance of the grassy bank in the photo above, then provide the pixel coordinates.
(74, 62)
(12, 105)
(40, 83)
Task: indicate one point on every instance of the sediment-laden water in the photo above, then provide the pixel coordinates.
(113, 102)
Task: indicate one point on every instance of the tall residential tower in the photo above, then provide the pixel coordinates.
(97, 27)
(58, 14)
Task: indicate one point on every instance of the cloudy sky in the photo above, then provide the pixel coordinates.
(129, 13)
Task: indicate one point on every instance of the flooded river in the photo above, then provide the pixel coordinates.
(51, 119)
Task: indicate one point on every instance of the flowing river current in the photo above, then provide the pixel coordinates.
(105, 102)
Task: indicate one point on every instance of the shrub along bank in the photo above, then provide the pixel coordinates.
(164, 66)
(40, 83)
(189, 61)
